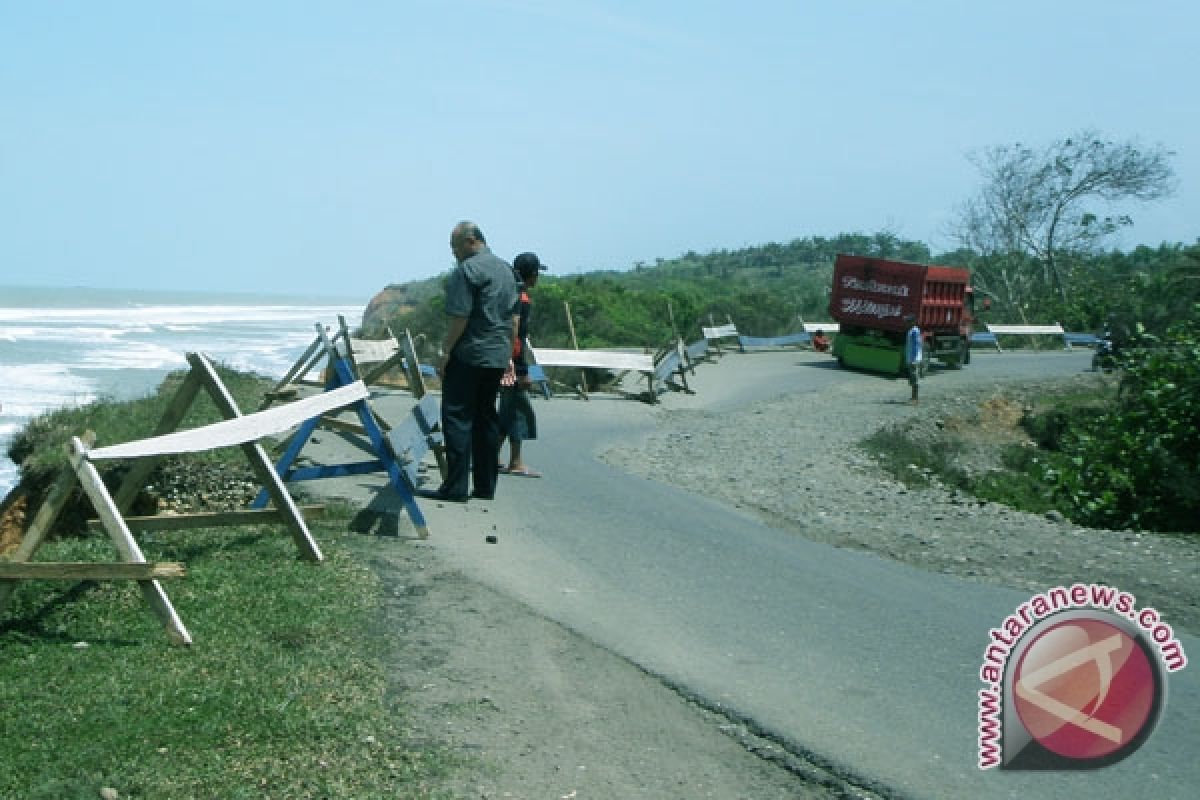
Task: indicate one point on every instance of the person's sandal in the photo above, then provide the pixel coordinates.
(525, 473)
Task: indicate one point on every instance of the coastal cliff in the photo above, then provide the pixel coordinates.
(390, 301)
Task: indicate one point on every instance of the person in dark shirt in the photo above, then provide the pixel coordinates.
(481, 304)
(518, 423)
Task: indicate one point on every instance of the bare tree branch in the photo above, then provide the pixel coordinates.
(1033, 204)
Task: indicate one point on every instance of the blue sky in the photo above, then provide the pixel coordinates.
(312, 146)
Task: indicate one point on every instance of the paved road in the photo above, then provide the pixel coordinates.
(869, 665)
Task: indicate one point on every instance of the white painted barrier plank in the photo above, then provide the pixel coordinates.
(370, 351)
(598, 359)
(249, 428)
(720, 332)
(1026, 330)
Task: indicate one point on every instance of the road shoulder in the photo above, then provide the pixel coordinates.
(535, 710)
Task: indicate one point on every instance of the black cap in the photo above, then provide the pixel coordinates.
(528, 263)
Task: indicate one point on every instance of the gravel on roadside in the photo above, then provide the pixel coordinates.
(797, 462)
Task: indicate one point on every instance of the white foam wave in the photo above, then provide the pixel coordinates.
(33, 389)
(45, 333)
(39, 377)
(164, 315)
(63, 357)
(133, 355)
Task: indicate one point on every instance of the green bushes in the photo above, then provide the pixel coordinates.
(1138, 464)
(1124, 457)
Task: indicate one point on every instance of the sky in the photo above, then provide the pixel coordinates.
(318, 147)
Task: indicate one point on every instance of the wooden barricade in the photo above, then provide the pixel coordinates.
(675, 360)
(672, 367)
(713, 333)
(787, 340)
(614, 360)
(430, 417)
(697, 351)
(370, 360)
(1027, 330)
(385, 457)
(235, 430)
(298, 374)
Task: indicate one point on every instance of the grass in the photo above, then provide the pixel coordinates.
(914, 462)
(1017, 480)
(1019, 484)
(284, 693)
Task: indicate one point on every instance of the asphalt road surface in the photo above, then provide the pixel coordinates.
(865, 664)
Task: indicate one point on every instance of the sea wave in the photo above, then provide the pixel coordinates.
(133, 355)
(175, 315)
(51, 357)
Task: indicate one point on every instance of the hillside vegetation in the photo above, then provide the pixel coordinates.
(766, 290)
(1133, 462)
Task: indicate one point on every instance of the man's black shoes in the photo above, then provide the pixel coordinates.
(445, 497)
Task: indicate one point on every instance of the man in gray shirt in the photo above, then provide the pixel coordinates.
(481, 304)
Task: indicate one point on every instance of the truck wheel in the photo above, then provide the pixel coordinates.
(960, 358)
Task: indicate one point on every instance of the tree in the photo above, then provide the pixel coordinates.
(1039, 209)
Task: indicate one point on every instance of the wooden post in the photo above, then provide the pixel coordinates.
(90, 571)
(416, 382)
(344, 335)
(575, 344)
(412, 366)
(680, 347)
(741, 347)
(298, 370)
(712, 323)
(110, 516)
(261, 464)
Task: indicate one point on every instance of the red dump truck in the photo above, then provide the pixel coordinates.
(872, 299)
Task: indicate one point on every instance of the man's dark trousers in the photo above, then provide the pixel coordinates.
(471, 428)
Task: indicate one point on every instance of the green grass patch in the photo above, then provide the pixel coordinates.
(1019, 484)
(914, 462)
(284, 694)
(1018, 476)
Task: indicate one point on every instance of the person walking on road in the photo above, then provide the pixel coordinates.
(517, 420)
(913, 356)
(481, 304)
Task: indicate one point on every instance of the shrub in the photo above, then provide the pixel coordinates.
(1138, 465)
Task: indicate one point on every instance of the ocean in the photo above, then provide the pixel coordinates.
(67, 347)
